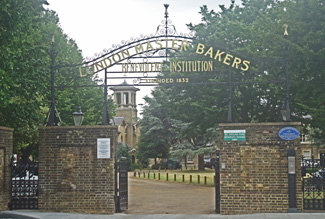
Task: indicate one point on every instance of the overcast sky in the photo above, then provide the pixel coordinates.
(96, 25)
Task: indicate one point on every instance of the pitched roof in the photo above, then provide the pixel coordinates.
(117, 120)
(124, 86)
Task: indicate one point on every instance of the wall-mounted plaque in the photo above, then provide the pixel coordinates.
(103, 148)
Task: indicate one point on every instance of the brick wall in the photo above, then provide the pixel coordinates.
(254, 173)
(71, 177)
(6, 149)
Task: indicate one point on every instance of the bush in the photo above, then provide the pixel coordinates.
(135, 166)
(124, 151)
(155, 167)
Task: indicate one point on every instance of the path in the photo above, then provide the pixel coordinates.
(156, 197)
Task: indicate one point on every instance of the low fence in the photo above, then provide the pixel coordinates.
(199, 179)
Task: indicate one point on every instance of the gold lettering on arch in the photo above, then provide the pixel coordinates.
(119, 56)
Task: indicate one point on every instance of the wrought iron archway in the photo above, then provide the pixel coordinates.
(117, 56)
(166, 32)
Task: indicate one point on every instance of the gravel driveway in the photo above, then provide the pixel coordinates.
(157, 197)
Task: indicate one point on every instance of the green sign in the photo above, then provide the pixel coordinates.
(234, 135)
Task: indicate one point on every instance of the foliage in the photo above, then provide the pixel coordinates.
(155, 132)
(26, 30)
(124, 150)
(253, 31)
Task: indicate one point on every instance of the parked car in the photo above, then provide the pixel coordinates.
(210, 163)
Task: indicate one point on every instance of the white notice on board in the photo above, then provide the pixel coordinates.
(103, 148)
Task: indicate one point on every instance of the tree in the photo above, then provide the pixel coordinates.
(253, 31)
(124, 150)
(156, 132)
(26, 30)
(23, 69)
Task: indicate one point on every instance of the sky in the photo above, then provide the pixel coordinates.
(96, 25)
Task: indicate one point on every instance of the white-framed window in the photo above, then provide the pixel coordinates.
(189, 159)
(302, 138)
(126, 98)
(307, 154)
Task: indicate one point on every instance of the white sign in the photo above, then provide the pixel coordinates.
(103, 148)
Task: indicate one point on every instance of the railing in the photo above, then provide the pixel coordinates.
(313, 183)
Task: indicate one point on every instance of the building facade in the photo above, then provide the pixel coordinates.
(310, 148)
(126, 113)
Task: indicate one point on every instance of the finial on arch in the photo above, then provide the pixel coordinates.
(166, 7)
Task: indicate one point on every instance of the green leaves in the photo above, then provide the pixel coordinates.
(26, 29)
(254, 32)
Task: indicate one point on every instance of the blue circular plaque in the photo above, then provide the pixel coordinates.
(289, 133)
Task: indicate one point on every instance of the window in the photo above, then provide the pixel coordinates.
(133, 98)
(189, 158)
(307, 154)
(118, 98)
(302, 138)
(126, 98)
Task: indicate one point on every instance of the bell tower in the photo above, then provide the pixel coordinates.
(125, 99)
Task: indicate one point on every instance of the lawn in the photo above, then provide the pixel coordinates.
(186, 176)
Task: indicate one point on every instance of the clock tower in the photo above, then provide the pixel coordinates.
(125, 99)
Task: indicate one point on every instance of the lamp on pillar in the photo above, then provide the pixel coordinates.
(78, 117)
(285, 113)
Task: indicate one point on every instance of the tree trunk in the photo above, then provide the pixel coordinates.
(155, 160)
(201, 162)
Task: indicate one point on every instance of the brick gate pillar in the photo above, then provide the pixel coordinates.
(254, 171)
(6, 150)
(73, 176)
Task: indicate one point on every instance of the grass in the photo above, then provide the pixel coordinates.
(207, 175)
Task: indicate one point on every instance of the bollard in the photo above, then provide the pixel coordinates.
(205, 180)
(134, 173)
(183, 178)
(139, 174)
(154, 175)
(190, 178)
(149, 175)
(166, 176)
(158, 176)
(174, 177)
(144, 175)
(198, 179)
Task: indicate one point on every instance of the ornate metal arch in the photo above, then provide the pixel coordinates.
(158, 46)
